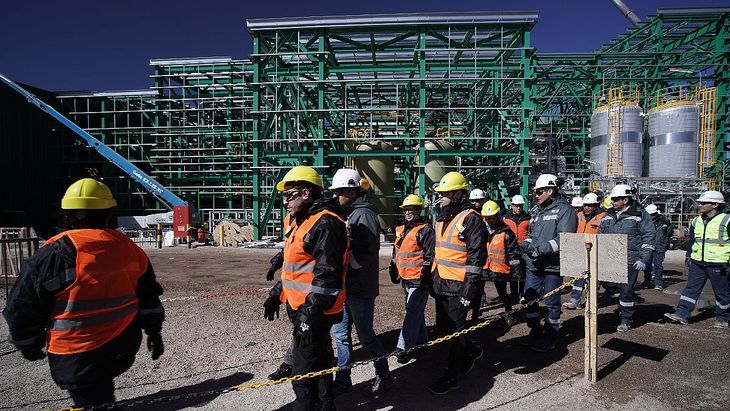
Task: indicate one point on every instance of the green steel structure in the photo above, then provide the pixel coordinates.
(220, 132)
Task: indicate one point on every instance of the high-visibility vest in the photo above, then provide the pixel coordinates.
(496, 255)
(102, 301)
(450, 251)
(590, 226)
(711, 243)
(408, 255)
(520, 229)
(297, 271)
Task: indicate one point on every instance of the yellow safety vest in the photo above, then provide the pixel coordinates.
(711, 243)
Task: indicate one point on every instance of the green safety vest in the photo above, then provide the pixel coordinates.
(711, 244)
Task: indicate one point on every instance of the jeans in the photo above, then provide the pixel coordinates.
(536, 284)
(414, 324)
(358, 311)
(657, 268)
(627, 297)
(313, 393)
(101, 393)
(696, 279)
(451, 317)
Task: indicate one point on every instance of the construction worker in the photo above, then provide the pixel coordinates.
(589, 221)
(477, 198)
(708, 257)
(663, 231)
(362, 280)
(518, 220)
(86, 295)
(626, 217)
(459, 256)
(503, 259)
(411, 264)
(312, 282)
(577, 204)
(552, 216)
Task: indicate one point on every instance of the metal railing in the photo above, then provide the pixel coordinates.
(16, 244)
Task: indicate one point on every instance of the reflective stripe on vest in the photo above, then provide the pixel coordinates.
(101, 302)
(450, 251)
(496, 255)
(711, 243)
(591, 226)
(297, 270)
(408, 255)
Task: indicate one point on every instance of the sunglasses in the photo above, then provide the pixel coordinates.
(291, 194)
(704, 203)
(614, 199)
(539, 192)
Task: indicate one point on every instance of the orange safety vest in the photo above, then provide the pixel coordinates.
(102, 300)
(408, 255)
(297, 271)
(450, 251)
(591, 226)
(496, 255)
(519, 230)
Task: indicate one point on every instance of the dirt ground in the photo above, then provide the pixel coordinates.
(219, 339)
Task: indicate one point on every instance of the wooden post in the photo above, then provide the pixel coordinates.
(591, 310)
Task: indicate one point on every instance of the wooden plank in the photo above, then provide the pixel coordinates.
(591, 314)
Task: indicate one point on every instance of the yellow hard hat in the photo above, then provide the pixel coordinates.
(88, 194)
(301, 173)
(412, 200)
(490, 208)
(452, 181)
(607, 203)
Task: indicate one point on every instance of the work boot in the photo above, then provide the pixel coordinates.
(471, 357)
(283, 371)
(676, 318)
(443, 385)
(380, 385)
(401, 356)
(623, 327)
(573, 304)
(544, 344)
(658, 287)
(510, 320)
(720, 324)
(530, 339)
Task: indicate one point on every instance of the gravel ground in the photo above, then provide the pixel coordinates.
(215, 342)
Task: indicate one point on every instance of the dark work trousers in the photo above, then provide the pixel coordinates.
(314, 393)
(627, 297)
(476, 305)
(696, 279)
(537, 284)
(98, 394)
(501, 287)
(451, 317)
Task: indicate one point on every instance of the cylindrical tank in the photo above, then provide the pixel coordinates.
(673, 146)
(631, 127)
(435, 167)
(379, 171)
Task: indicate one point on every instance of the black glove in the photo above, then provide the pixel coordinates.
(155, 345)
(393, 271)
(426, 278)
(302, 334)
(271, 307)
(270, 274)
(686, 262)
(33, 354)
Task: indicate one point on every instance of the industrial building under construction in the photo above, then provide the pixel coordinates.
(404, 99)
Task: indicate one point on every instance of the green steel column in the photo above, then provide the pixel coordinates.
(722, 73)
(258, 224)
(321, 76)
(422, 112)
(528, 108)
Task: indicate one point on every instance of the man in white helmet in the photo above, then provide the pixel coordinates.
(477, 198)
(553, 215)
(708, 257)
(663, 231)
(577, 204)
(518, 220)
(362, 280)
(626, 217)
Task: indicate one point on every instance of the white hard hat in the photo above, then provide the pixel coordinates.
(652, 209)
(712, 196)
(590, 198)
(576, 202)
(546, 180)
(346, 178)
(518, 200)
(621, 190)
(476, 194)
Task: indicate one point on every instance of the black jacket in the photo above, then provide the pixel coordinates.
(364, 231)
(475, 237)
(31, 301)
(327, 244)
(663, 233)
(425, 240)
(636, 223)
(542, 245)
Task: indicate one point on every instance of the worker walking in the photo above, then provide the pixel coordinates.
(663, 231)
(86, 296)
(626, 217)
(503, 260)
(708, 257)
(553, 215)
(362, 280)
(589, 221)
(518, 220)
(460, 254)
(312, 283)
(411, 264)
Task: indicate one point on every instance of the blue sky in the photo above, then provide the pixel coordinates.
(107, 44)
